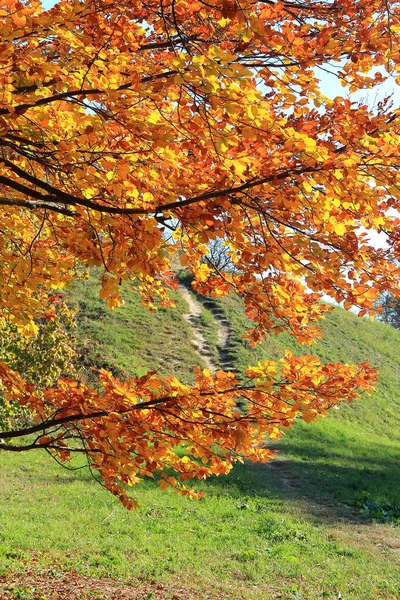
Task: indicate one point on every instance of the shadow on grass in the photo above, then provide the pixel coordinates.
(329, 485)
(332, 478)
(343, 468)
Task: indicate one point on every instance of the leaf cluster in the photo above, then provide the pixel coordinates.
(42, 357)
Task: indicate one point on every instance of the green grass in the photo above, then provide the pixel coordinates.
(321, 523)
(247, 536)
(131, 340)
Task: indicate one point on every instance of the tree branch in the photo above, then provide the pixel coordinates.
(21, 108)
(36, 205)
(70, 199)
(7, 435)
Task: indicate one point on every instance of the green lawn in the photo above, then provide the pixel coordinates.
(251, 536)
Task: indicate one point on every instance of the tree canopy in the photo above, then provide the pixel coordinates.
(134, 132)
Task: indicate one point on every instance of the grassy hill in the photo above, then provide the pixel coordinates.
(319, 522)
(132, 340)
(359, 442)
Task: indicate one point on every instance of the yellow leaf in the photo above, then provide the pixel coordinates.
(339, 229)
(89, 193)
(221, 145)
(154, 117)
(199, 59)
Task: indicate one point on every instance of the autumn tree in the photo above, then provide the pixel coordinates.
(42, 357)
(121, 122)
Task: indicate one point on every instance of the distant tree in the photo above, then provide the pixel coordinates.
(119, 119)
(390, 309)
(218, 256)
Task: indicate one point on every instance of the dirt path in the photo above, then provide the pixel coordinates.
(71, 586)
(193, 318)
(199, 341)
(222, 335)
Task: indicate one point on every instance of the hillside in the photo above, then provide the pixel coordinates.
(351, 457)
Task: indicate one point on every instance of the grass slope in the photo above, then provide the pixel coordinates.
(265, 531)
(131, 340)
(353, 455)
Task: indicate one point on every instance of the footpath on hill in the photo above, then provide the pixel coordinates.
(202, 347)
